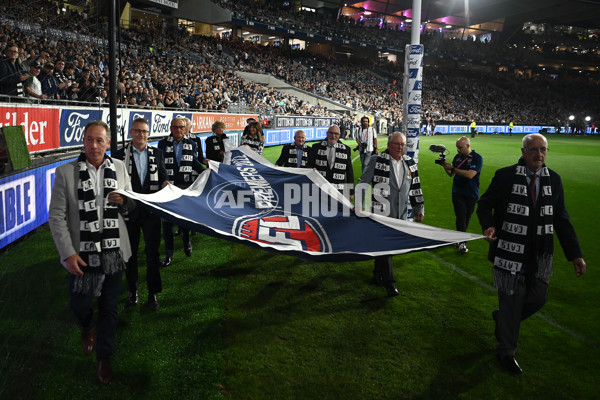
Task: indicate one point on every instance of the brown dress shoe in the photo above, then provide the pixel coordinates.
(88, 340)
(104, 371)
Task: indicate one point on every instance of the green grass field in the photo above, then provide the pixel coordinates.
(241, 323)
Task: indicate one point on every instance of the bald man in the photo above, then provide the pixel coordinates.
(465, 169)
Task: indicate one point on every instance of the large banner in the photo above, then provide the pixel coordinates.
(289, 210)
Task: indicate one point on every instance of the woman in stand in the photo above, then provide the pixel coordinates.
(255, 139)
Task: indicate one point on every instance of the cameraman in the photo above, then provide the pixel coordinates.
(366, 138)
(465, 169)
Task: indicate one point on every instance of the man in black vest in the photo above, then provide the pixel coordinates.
(519, 213)
(333, 159)
(180, 161)
(295, 154)
(146, 167)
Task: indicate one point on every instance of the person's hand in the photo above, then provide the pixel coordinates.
(72, 265)
(165, 184)
(116, 198)
(580, 266)
(420, 217)
(490, 234)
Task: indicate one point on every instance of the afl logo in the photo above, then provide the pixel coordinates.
(234, 199)
(285, 232)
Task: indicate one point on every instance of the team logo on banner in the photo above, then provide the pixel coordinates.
(291, 231)
(234, 198)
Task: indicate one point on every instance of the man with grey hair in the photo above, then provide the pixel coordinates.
(519, 212)
(396, 184)
(295, 154)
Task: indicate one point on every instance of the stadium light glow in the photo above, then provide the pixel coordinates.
(571, 117)
(588, 118)
(409, 20)
(220, 29)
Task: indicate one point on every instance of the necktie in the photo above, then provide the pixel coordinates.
(532, 189)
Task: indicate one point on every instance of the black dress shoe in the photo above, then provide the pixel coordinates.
(104, 371)
(187, 249)
(166, 261)
(510, 364)
(132, 300)
(153, 302)
(88, 340)
(391, 290)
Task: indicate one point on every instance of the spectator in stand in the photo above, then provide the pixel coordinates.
(87, 86)
(32, 86)
(12, 73)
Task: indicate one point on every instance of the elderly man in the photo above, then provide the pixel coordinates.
(519, 212)
(332, 159)
(146, 168)
(180, 161)
(295, 154)
(397, 184)
(465, 169)
(86, 220)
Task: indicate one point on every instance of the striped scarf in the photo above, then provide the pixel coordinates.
(254, 143)
(338, 168)
(152, 166)
(99, 247)
(515, 237)
(381, 184)
(187, 158)
(291, 156)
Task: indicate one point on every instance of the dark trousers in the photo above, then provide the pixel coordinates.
(384, 267)
(82, 306)
(168, 237)
(463, 209)
(530, 295)
(149, 224)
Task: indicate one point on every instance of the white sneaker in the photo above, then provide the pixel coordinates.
(462, 248)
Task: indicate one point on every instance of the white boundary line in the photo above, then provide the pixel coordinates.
(489, 287)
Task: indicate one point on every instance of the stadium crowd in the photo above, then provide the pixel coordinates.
(162, 67)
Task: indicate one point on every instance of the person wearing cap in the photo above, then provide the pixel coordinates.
(87, 86)
(33, 86)
(49, 82)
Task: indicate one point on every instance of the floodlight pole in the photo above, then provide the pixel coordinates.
(112, 75)
(416, 23)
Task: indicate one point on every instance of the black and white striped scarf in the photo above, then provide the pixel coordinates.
(152, 166)
(291, 156)
(514, 237)
(99, 246)
(255, 144)
(338, 168)
(185, 165)
(382, 175)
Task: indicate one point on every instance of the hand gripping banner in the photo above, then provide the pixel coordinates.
(290, 210)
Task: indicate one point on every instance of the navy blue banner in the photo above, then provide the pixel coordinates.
(288, 210)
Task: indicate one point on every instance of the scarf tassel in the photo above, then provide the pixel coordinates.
(91, 282)
(505, 281)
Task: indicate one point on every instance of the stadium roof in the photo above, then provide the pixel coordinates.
(578, 13)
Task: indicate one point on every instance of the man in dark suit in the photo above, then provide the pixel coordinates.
(180, 160)
(146, 167)
(396, 185)
(295, 154)
(333, 160)
(519, 212)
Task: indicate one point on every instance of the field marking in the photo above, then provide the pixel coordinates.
(543, 316)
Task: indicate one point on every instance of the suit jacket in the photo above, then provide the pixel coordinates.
(135, 176)
(399, 196)
(178, 177)
(492, 205)
(63, 215)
